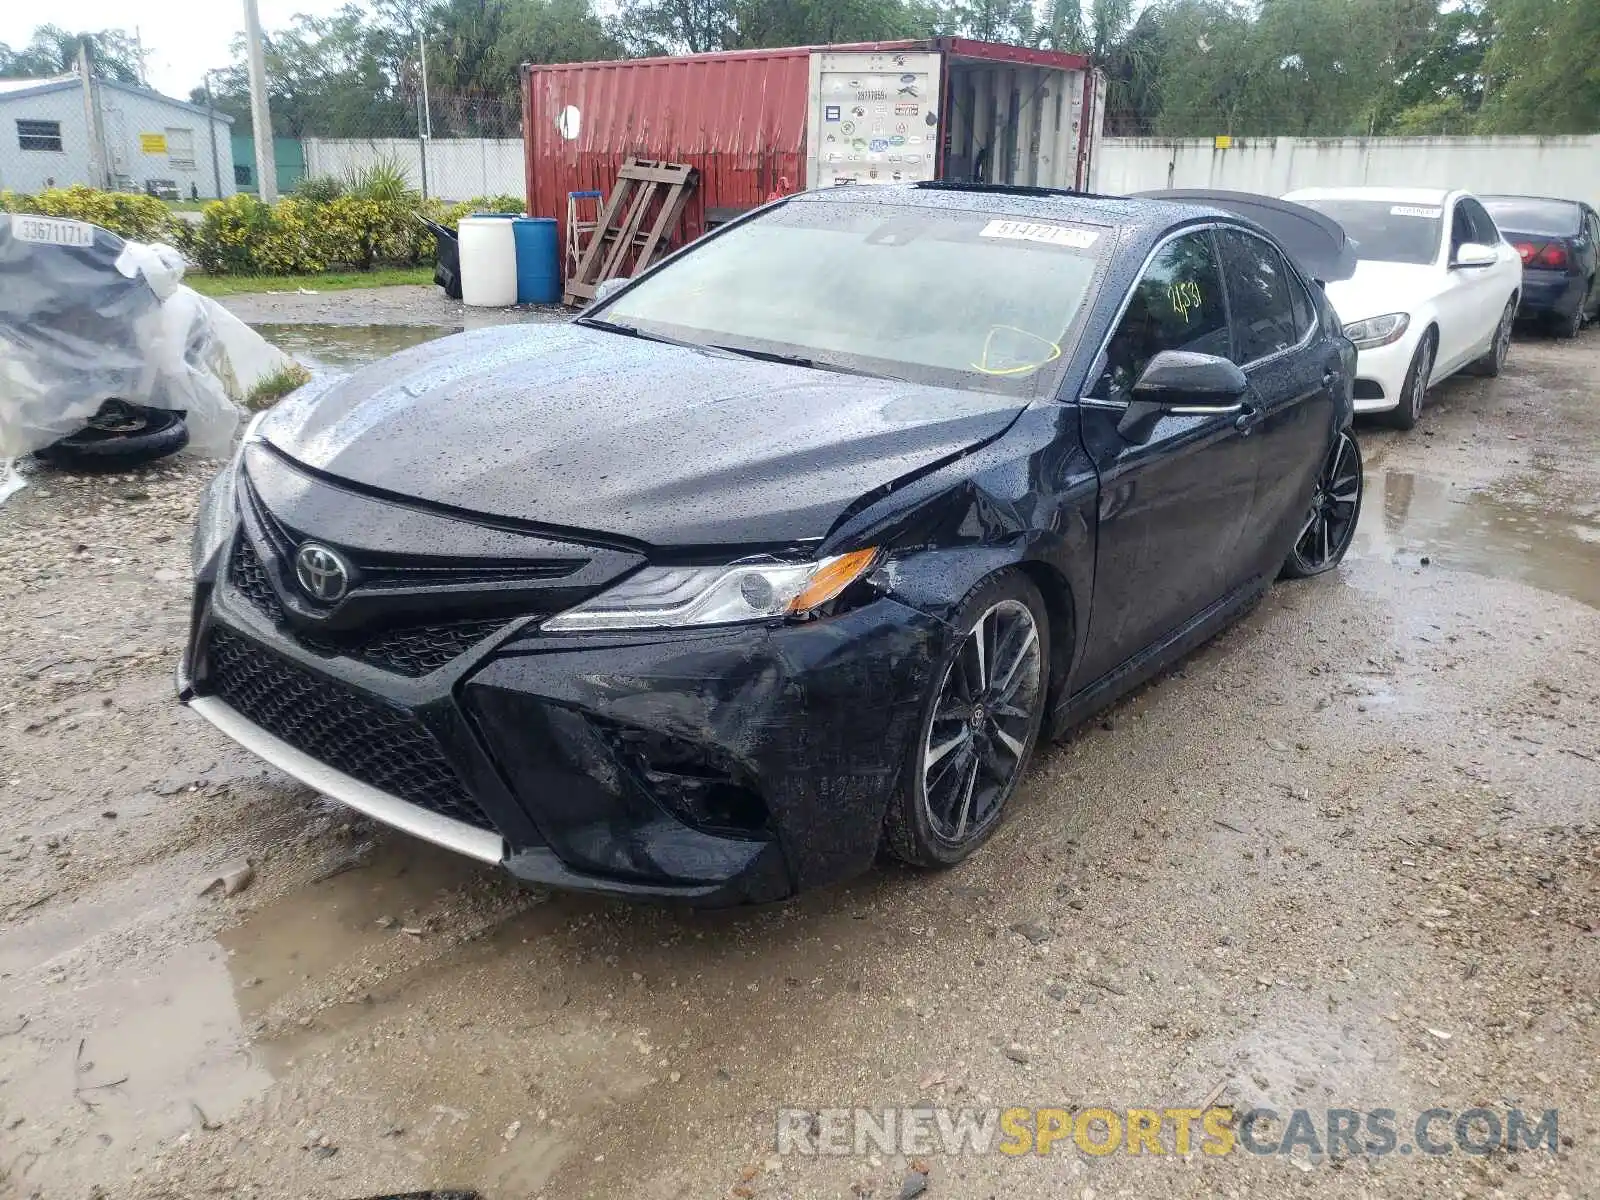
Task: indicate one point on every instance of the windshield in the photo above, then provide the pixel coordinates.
(1383, 231)
(1520, 214)
(959, 299)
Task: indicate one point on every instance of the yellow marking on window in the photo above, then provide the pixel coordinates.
(1055, 353)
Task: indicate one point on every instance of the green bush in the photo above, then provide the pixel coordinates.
(138, 218)
(319, 189)
(450, 215)
(385, 181)
(365, 221)
(230, 235)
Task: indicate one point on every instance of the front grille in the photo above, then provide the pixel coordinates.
(250, 577)
(410, 650)
(379, 745)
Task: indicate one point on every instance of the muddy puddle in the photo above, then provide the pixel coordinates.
(345, 347)
(1513, 531)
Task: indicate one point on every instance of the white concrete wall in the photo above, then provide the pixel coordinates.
(458, 168)
(1568, 167)
(124, 116)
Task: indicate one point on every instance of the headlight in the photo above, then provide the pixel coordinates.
(1377, 331)
(675, 597)
(218, 510)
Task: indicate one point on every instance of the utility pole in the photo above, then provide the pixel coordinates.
(211, 124)
(425, 117)
(260, 112)
(93, 128)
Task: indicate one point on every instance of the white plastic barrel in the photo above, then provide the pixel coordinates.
(488, 262)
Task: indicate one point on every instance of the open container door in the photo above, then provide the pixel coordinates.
(874, 117)
(1018, 116)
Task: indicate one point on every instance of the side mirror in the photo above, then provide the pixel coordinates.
(1177, 379)
(1475, 254)
(610, 287)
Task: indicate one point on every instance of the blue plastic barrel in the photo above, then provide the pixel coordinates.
(538, 261)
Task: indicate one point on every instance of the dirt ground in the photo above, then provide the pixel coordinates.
(1348, 855)
(401, 304)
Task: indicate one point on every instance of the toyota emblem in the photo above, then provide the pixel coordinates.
(322, 573)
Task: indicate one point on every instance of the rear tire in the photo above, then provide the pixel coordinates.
(1408, 412)
(1571, 325)
(980, 721)
(1489, 365)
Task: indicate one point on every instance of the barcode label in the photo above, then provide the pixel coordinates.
(52, 231)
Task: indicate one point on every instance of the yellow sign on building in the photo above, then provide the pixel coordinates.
(152, 143)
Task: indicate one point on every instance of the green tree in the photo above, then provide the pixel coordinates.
(113, 54)
(1543, 67)
(1439, 87)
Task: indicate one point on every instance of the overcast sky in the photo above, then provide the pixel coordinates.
(182, 38)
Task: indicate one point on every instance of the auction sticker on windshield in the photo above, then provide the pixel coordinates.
(47, 231)
(1412, 210)
(1028, 231)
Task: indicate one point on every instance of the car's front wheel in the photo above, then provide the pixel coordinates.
(1330, 527)
(1408, 412)
(980, 722)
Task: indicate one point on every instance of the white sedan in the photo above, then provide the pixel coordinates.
(1435, 290)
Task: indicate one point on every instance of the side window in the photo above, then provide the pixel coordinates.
(1484, 230)
(1305, 310)
(1260, 293)
(1176, 305)
(1460, 228)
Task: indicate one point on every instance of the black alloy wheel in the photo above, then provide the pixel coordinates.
(979, 726)
(1335, 509)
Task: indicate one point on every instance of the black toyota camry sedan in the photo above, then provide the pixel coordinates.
(789, 551)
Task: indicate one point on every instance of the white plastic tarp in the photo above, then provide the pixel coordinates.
(86, 317)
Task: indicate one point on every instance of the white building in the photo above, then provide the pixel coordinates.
(51, 135)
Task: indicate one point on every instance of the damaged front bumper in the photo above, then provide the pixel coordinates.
(720, 766)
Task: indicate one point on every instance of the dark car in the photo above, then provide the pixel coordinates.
(1557, 240)
(787, 551)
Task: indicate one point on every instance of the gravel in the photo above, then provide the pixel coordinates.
(1366, 817)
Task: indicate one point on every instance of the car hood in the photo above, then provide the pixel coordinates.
(577, 428)
(1384, 287)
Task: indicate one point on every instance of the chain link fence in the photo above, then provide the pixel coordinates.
(456, 148)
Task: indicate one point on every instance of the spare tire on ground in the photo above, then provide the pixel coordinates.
(119, 435)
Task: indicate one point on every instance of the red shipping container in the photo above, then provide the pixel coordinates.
(761, 123)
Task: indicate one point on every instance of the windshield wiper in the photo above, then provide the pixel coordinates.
(636, 332)
(798, 360)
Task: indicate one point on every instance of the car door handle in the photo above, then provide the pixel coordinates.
(1249, 417)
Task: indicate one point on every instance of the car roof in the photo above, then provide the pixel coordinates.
(1487, 196)
(1390, 195)
(1124, 212)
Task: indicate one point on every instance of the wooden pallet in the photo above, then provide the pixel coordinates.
(621, 245)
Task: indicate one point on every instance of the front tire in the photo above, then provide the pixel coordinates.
(980, 722)
(1408, 412)
(1330, 526)
(1491, 363)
